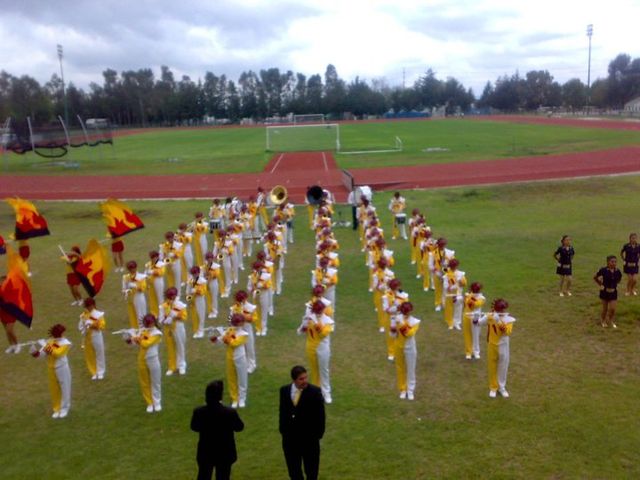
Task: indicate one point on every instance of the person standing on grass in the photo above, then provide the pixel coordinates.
(564, 256)
(630, 253)
(608, 279)
(215, 425)
(302, 424)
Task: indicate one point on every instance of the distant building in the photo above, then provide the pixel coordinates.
(632, 106)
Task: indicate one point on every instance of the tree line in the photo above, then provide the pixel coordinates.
(138, 97)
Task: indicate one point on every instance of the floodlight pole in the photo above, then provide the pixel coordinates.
(64, 92)
(589, 34)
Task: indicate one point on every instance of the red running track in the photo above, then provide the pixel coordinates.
(296, 176)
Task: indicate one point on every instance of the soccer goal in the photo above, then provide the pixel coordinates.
(308, 118)
(294, 138)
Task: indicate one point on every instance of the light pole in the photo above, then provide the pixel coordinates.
(589, 34)
(64, 92)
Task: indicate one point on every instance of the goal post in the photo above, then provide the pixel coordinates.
(292, 138)
(308, 118)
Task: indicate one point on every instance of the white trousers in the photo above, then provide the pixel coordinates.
(97, 340)
(457, 311)
(330, 294)
(503, 364)
(200, 303)
(475, 336)
(265, 307)
(203, 244)
(214, 288)
(188, 256)
(226, 266)
(410, 358)
(180, 336)
(243, 377)
(140, 306)
(153, 365)
(290, 233)
(158, 287)
(176, 270)
(63, 374)
(323, 353)
(234, 266)
(250, 347)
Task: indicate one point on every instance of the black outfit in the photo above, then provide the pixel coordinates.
(302, 427)
(217, 447)
(610, 281)
(565, 255)
(631, 255)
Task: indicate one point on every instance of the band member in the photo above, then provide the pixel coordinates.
(564, 256)
(317, 295)
(259, 286)
(55, 349)
(427, 246)
(237, 375)
(381, 275)
(8, 322)
(185, 237)
(404, 327)
(149, 371)
(117, 247)
(608, 279)
(216, 218)
(235, 255)
(269, 268)
(441, 258)
(274, 250)
(212, 275)
(397, 205)
(328, 278)
(196, 297)
(154, 269)
(173, 314)
(414, 230)
(499, 328)
(246, 232)
(134, 286)
(454, 282)
(630, 254)
(200, 238)
(223, 250)
(289, 212)
(249, 311)
(70, 259)
(391, 301)
(261, 203)
(171, 252)
(473, 302)
(91, 325)
(317, 326)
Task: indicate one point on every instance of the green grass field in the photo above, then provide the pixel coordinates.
(574, 386)
(240, 150)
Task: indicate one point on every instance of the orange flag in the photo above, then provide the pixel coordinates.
(29, 223)
(119, 218)
(15, 291)
(92, 267)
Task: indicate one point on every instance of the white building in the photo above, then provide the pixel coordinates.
(632, 106)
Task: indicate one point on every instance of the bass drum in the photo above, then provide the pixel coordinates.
(364, 191)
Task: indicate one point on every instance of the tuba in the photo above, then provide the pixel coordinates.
(314, 195)
(278, 195)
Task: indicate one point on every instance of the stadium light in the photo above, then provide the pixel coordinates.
(589, 34)
(64, 91)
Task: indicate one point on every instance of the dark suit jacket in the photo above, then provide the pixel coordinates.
(305, 420)
(216, 424)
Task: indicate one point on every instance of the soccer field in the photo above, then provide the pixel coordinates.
(574, 386)
(242, 150)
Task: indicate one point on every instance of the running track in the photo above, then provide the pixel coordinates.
(299, 170)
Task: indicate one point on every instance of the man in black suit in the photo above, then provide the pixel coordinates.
(215, 423)
(302, 422)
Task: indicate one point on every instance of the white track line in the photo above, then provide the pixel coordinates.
(277, 162)
(324, 159)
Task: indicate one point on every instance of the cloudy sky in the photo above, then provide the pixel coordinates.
(474, 41)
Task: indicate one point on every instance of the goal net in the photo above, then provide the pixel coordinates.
(308, 118)
(294, 138)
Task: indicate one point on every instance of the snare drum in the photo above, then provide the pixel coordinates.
(214, 225)
(401, 218)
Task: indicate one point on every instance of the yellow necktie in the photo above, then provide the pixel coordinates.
(296, 397)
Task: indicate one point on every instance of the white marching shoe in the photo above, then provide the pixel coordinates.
(149, 408)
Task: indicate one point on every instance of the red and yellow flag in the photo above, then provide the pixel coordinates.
(29, 223)
(15, 291)
(92, 267)
(119, 218)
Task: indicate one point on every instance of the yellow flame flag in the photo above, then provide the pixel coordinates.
(15, 292)
(119, 218)
(92, 267)
(29, 223)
